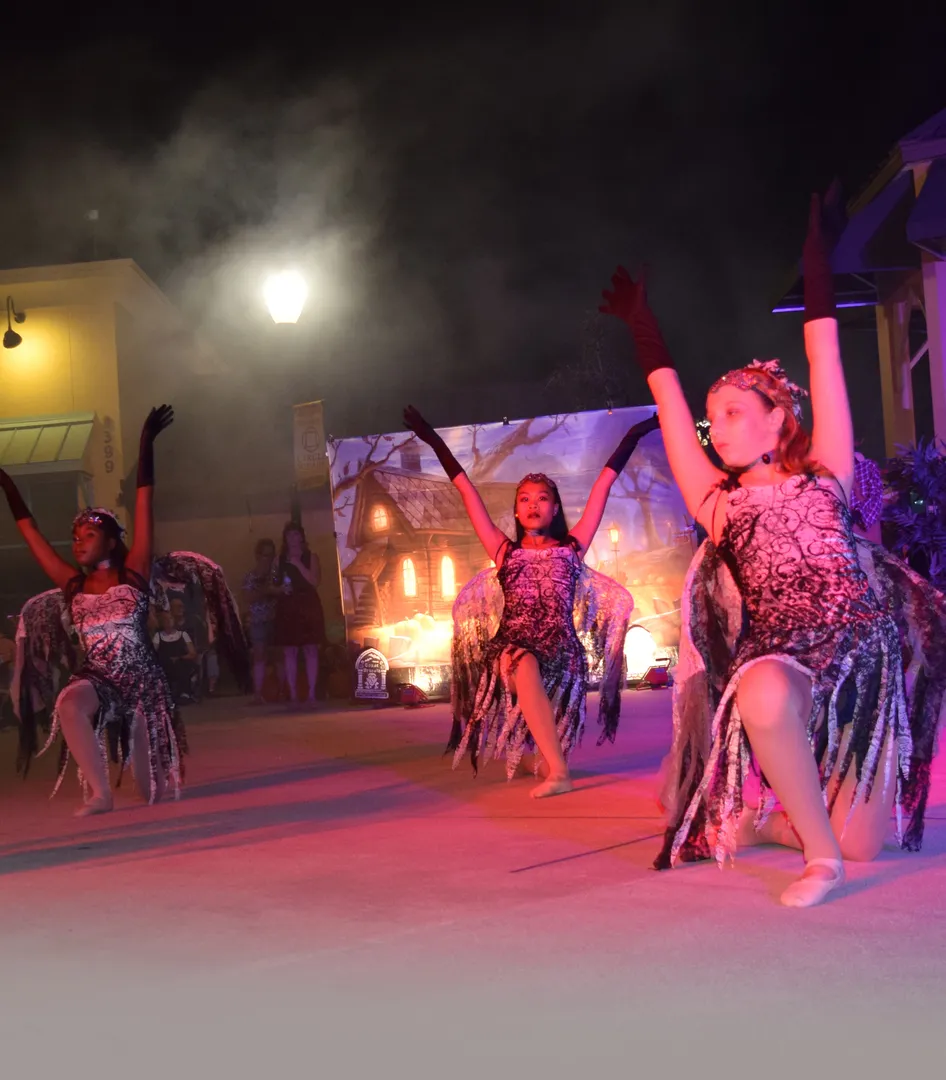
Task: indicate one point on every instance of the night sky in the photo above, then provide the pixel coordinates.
(459, 182)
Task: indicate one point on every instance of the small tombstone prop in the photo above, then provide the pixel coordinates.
(371, 670)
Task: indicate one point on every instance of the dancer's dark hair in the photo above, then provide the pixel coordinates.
(117, 556)
(558, 529)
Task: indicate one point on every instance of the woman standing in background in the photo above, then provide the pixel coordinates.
(300, 621)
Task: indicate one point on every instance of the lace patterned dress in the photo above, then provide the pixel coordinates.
(121, 665)
(554, 607)
(786, 583)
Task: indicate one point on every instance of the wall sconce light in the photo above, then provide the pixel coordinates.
(11, 338)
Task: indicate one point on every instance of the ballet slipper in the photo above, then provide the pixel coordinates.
(98, 804)
(812, 888)
(555, 785)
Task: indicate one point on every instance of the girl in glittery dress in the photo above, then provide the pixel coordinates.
(790, 659)
(119, 698)
(526, 681)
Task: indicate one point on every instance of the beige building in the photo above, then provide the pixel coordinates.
(100, 345)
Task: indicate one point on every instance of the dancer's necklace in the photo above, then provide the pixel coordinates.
(764, 459)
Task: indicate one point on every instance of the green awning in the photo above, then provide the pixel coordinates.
(51, 444)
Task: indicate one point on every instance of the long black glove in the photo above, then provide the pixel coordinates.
(158, 419)
(18, 507)
(416, 423)
(628, 302)
(628, 444)
(825, 225)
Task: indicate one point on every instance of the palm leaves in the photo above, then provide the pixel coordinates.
(915, 507)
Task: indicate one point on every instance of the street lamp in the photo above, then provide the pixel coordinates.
(615, 537)
(285, 296)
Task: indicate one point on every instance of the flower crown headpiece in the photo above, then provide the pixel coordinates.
(759, 376)
(98, 515)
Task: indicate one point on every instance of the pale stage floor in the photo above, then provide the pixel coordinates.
(330, 899)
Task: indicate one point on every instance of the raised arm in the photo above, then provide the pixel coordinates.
(489, 535)
(54, 566)
(832, 439)
(584, 531)
(693, 471)
(142, 548)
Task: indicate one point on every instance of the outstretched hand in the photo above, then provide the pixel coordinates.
(158, 419)
(827, 220)
(413, 421)
(645, 427)
(627, 297)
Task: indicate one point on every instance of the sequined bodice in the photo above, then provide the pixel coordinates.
(795, 556)
(539, 596)
(113, 629)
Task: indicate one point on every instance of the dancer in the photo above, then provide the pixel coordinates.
(119, 699)
(525, 679)
(787, 649)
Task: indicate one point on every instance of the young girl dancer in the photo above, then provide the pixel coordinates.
(787, 649)
(527, 679)
(119, 699)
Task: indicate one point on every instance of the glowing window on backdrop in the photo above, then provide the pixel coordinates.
(379, 518)
(409, 575)
(448, 578)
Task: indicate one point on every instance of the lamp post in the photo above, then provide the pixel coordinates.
(615, 537)
(285, 295)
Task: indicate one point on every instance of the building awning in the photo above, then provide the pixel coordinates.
(52, 444)
(874, 242)
(926, 226)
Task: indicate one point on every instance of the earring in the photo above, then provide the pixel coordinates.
(766, 459)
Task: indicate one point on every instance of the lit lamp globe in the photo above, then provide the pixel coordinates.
(285, 296)
(615, 535)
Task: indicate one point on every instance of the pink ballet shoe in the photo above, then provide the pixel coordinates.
(811, 889)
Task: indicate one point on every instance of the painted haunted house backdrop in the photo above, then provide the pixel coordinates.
(406, 546)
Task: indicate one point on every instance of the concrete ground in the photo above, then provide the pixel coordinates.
(329, 899)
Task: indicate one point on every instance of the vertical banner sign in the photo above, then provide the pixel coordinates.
(311, 462)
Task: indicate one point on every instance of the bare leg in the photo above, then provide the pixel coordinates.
(525, 682)
(311, 653)
(291, 663)
(862, 838)
(774, 702)
(259, 672)
(141, 763)
(77, 707)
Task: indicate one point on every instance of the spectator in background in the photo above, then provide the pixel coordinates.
(867, 498)
(177, 657)
(190, 622)
(300, 622)
(260, 592)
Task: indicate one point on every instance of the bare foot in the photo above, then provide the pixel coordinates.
(821, 877)
(98, 804)
(527, 767)
(777, 830)
(558, 785)
(746, 836)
